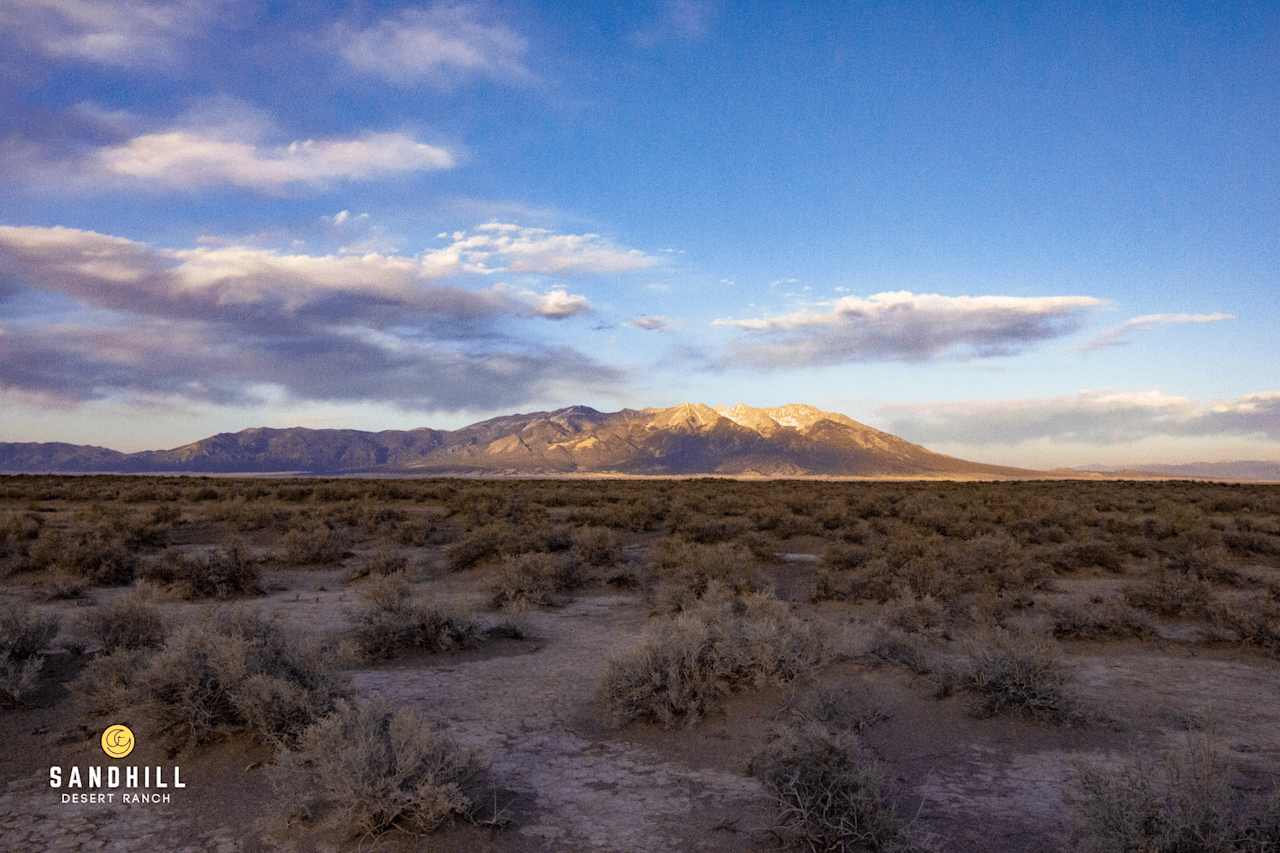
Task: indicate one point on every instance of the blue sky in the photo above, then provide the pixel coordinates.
(1035, 234)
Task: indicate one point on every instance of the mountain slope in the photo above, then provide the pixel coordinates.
(687, 439)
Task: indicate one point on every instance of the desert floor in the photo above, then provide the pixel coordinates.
(526, 700)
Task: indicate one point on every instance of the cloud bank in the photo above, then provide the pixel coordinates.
(903, 326)
(1100, 417)
(92, 315)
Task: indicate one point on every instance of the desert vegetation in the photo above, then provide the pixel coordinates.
(741, 619)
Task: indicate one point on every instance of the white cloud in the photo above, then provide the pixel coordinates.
(537, 250)
(1102, 417)
(1119, 335)
(182, 158)
(652, 324)
(439, 45)
(904, 326)
(124, 33)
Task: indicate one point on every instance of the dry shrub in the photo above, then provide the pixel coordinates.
(1250, 621)
(1109, 620)
(828, 793)
(708, 530)
(1019, 671)
(126, 623)
(223, 572)
(1170, 594)
(387, 559)
(1089, 554)
(374, 769)
(233, 671)
(596, 547)
(1184, 804)
(313, 543)
(533, 580)
(393, 620)
(915, 615)
(23, 635)
(687, 569)
(499, 539)
(94, 555)
(686, 664)
(843, 708)
(897, 646)
(61, 586)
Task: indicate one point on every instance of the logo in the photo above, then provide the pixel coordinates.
(117, 741)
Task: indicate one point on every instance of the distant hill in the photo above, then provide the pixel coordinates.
(1208, 470)
(688, 439)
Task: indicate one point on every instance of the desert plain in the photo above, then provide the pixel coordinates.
(643, 665)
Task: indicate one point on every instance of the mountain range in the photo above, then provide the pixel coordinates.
(687, 439)
(684, 440)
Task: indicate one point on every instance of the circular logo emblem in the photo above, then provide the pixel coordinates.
(117, 741)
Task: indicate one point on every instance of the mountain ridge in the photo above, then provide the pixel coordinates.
(688, 439)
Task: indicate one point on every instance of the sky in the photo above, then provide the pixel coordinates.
(1037, 234)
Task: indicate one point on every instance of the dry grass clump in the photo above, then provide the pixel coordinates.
(371, 769)
(233, 671)
(686, 664)
(1184, 804)
(1019, 671)
(125, 623)
(23, 635)
(393, 620)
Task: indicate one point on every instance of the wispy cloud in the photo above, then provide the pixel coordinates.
(1106, 416)
(688, 20)
(903, 326)
(652, 324)
(1120, 335)
(441, 45)
(188, 159)
(214, 322)
(124, 33)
